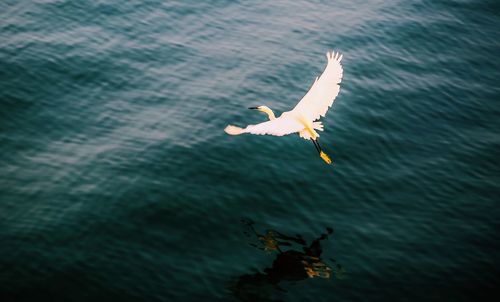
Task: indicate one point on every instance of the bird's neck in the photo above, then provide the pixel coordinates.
(269, 113)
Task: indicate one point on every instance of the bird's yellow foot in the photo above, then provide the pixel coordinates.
(325, 157)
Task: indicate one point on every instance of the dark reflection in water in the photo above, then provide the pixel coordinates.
(295, 260)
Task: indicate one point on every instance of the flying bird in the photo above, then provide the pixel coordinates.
(304, 118)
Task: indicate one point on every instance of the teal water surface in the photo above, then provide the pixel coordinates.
(118, 183)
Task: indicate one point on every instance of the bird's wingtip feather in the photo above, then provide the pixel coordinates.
(334, 56)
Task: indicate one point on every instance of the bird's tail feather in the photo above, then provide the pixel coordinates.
(233, 130)
(317, 126)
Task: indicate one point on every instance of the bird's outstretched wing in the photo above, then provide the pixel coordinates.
(322, 93)
(278, 127)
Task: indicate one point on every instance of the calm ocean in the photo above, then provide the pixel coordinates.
(117, 182)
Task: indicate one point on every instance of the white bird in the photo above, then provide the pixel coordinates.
(304, 118)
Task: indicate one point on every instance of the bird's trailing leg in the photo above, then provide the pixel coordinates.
(316, 145)
(314, 138)
(322, 154)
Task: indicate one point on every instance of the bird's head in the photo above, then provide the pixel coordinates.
(266, 110)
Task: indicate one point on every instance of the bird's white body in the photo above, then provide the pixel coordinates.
(302, 119)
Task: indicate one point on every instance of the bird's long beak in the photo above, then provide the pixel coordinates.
(253, 107)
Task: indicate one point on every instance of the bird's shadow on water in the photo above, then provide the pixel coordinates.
(295, 261)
